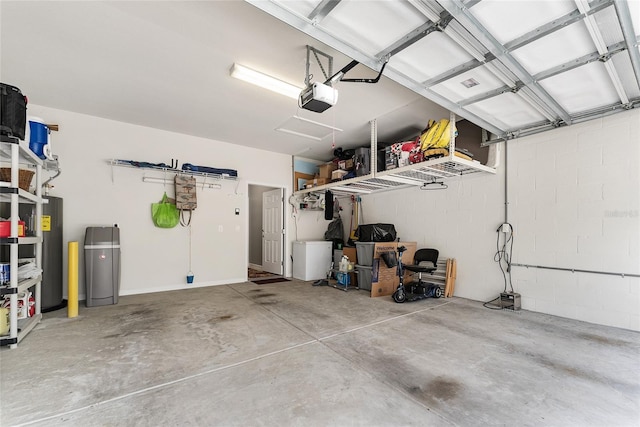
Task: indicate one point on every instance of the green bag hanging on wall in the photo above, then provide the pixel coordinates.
(165, 214)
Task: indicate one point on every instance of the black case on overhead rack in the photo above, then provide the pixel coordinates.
(13, 111)
(362, 161)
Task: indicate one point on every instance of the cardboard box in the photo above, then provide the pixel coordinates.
(317, 181)
(350, 253)
(384, 279)
(338, 174)
(324, 171)
(320, 181)
(346, 165)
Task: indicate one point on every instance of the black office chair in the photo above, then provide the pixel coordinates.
(424, 261)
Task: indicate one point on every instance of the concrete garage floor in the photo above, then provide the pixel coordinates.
(292, 354)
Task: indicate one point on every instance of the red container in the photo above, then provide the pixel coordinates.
(5, 229)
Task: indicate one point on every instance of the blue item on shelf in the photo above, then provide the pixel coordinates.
(207, 169)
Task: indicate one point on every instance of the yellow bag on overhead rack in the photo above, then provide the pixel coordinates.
(437, 135)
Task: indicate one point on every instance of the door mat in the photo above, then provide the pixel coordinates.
(254, 274)
(273, 280)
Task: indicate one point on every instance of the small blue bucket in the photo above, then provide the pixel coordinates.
(38, 149)
(39, 136)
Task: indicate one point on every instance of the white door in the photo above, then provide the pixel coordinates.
(272, 231)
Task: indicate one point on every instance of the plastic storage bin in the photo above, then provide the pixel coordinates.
(365, 253)
(365, 277)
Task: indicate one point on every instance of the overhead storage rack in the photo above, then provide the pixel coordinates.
(416, 174)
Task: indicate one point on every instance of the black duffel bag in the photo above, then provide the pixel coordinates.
(375, 233)
(13, 111)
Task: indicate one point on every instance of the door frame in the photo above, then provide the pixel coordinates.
(273, 231)
(285, 225)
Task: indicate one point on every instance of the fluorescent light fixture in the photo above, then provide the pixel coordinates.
(267, 82)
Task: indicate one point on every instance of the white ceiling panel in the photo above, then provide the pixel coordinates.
(623, 66)
(582, 88)
(301, 7)
(508, 20)
(456, 91)
(607, 21)
(634, 10)
(429, 57)
(555, 49)
(307, 128)
(537, 48)
(509, 109)
(371, 26)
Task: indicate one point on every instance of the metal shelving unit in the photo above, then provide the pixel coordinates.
(17, 152)
(416, 174)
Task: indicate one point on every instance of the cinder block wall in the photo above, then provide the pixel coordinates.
(574, 202)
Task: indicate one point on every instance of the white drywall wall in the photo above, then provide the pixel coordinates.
(574, 202)
(155, 259)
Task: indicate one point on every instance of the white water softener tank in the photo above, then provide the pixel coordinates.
(102, 265)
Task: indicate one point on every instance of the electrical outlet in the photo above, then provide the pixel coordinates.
(505, 228)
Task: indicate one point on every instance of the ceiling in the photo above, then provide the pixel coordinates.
(537, 64)
(511, 67)
(166, 65)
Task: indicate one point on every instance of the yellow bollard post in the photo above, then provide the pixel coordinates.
(72, 279)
